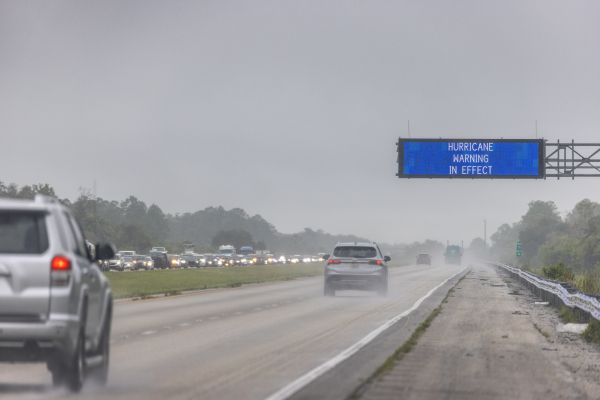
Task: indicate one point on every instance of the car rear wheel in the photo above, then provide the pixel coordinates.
(72, 375)
(329, 291)
(100, 373)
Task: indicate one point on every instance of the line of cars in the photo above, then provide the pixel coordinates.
(158, 258)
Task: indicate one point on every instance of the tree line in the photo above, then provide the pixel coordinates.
(549, 238)
(132, 224)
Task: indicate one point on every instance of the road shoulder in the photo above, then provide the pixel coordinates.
(341, 381)
(488, 342)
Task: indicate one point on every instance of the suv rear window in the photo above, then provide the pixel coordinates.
(23, 232)
(355, 252)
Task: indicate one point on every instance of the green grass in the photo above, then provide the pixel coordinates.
(544, 334)
(592, 332)
(144, 284)
(567, 316)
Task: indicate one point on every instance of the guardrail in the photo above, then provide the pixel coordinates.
(557, 293)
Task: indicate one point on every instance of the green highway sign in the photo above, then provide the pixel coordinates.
(519, 244)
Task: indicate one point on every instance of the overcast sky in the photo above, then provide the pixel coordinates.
(291, 109)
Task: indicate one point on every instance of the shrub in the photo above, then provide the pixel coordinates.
(592, 332)
(558, 272)
(567, 315)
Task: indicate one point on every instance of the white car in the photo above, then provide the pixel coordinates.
(55, 303)
(128, 264)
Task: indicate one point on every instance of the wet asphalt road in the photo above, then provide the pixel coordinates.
(242, 343)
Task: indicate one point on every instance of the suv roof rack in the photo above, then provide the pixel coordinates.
(42, 198)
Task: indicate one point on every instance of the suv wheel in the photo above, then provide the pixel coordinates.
(329, 291)
(74, 375)
(383, 289)
(100, 373)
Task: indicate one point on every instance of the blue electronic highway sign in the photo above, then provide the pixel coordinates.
(470, 158)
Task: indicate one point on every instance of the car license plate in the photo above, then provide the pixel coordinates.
(354, 265)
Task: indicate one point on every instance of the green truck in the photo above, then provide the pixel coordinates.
(453, 255)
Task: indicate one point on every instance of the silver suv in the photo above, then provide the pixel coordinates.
(55, 303)
(356, 266)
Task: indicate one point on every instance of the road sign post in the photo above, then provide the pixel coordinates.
(519, 245)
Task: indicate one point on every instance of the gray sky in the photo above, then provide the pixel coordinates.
(292, 109)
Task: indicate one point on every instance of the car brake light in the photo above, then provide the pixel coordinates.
(60, 263)
(333, 262)
(61, 271)
(375, 262)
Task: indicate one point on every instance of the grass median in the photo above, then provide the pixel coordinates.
(147, 283)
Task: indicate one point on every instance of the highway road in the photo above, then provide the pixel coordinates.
(242, 343)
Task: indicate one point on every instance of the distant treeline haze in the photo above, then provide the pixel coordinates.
(131, 224)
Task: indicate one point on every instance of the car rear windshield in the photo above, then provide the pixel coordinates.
(156, 254)
(23, 232)
(355, 252)
(423, 255)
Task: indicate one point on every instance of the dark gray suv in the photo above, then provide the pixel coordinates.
(356, 266)
(55, 303)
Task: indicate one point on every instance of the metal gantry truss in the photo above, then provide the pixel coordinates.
(570, 160)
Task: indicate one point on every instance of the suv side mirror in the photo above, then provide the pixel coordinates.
(387, 258)
(105, 251)
(326, 257)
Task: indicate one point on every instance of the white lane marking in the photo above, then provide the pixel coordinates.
(310, 376)
(257, 309)
(167, 327)
(185, 324)
(238, 312)
(148, 332)
(198, 320)
(214, 317)
(124, 336)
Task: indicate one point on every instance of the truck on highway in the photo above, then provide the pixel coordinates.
(188, 248)
(226, 250)
(453, 255)
(245, 250)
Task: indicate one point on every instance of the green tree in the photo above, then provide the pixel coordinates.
(541, 219)
(134, 210)
(156, 222)
(133, 237)
(9, 191)
(477, 248)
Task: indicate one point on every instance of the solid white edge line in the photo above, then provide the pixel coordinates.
(310, 376)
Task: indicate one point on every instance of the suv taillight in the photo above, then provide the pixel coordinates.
(375, 262)
(60, 263)
(333, 262)
(61, 271)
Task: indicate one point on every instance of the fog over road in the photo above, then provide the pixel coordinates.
(233, 343)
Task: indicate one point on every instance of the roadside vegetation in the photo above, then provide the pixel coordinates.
(564, 248)
(592, 332)
(587, 282)
(144, 284)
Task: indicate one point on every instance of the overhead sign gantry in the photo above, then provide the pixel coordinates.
(494, 159)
